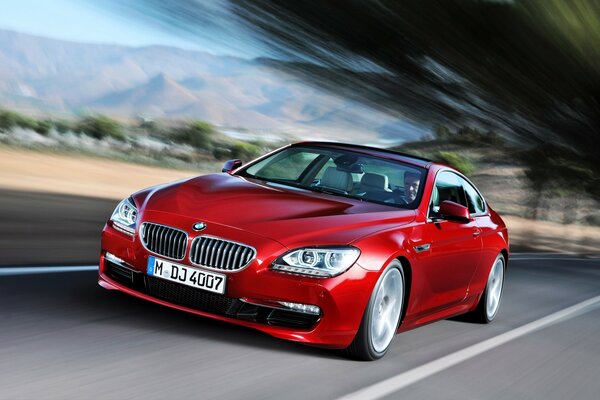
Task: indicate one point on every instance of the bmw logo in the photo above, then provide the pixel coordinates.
(198, 226)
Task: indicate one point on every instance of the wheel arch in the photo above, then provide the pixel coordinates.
(407, 275)
(504, 252)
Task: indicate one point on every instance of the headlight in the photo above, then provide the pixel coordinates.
(317, 261)
(125, 216)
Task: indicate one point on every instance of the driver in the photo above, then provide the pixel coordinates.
(411, 186)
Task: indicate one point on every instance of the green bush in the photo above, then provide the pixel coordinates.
(100, 127)
(455, 160)
(245, 151)
(10, 119)
(43, 127)
(197, 134)
(63, 126)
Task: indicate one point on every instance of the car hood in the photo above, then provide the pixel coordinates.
(293, 217)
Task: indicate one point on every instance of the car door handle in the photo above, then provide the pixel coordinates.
(476, 232)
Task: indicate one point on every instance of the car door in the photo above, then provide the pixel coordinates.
(481, 216)
(454, 251)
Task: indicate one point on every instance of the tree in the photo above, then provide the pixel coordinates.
(552, 172)
(442, 132)
(100, 127)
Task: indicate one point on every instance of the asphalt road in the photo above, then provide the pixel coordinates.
(46, 228)
(62, 336)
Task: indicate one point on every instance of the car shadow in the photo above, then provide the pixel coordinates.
(154, 317)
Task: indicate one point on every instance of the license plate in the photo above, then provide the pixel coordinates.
(185, 275)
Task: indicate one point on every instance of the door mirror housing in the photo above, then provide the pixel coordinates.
(230, 165)
(452, 211)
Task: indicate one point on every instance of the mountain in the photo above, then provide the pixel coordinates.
(160, 95)
(51, 75)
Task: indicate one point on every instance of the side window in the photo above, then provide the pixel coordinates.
(475, 201)
(447, 187)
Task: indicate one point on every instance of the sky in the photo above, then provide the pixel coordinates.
(94, 22)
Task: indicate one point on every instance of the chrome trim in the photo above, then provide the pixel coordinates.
(284, 308)
(119, 262)
(141, 237)
(422, 247)
(226, 258)
(112, 258)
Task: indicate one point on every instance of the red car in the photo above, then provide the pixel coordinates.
(330, 244)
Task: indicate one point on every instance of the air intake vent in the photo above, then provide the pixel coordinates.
(164, 240)
(220, 254)
(187, 296)
(119, 273)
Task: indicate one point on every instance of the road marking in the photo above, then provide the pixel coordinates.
(553, 259)
(10, 271)
(554, 256)
(395, 383)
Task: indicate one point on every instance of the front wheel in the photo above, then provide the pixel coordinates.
(488, 306)
(382, 315)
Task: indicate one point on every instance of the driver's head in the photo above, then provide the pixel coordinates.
(411, 185)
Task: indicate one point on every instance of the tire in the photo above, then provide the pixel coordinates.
(489, 304)
(382, 316)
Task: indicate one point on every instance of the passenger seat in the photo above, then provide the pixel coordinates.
(374, 186)
(333, 178)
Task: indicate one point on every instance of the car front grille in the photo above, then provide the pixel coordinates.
(221, 254)
(164, 240)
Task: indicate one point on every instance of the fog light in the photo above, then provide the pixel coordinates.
(303, 308)
(111, 257)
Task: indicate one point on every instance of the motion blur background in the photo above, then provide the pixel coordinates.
(99, 99)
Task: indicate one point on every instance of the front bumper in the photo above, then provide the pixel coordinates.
(250, 293)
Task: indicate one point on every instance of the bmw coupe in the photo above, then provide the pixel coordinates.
(329, 244)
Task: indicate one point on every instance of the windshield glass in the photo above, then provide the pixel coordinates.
(342, 173)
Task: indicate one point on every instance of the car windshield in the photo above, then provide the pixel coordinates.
(342, 173)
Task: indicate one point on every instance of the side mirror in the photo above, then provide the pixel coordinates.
(454, 212)
(231, 165)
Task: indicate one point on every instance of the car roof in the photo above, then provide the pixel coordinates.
(373, 151)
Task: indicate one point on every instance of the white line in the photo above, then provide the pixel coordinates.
(395, 383)
(9, 271)
(553, 259)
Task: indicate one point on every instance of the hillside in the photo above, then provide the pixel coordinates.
(55, 76)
